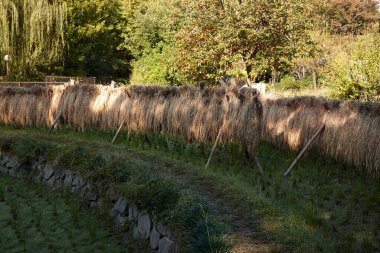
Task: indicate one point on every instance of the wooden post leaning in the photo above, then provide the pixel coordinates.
(214, 147)
(304, 149)
(118, 131)
(55, 122)
(258, 164)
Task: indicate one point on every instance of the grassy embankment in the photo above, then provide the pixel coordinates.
(324, 206)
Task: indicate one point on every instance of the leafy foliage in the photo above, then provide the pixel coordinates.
(94, 40)
(179, 42)
(290, 82)
(33, 33)
(346, 16)
(257, 35)
(335, 24)
(150, 39)
(356, 73)
(155, 67)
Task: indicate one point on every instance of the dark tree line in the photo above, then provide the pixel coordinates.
(179, 41)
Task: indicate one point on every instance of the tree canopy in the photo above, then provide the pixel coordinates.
(180, 42)
(346, 16)
(94, 37)
(150, 38)
(239, 38)
(33, 33)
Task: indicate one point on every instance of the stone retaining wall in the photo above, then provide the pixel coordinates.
(143, 226)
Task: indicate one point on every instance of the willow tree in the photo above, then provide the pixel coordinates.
(32, 32)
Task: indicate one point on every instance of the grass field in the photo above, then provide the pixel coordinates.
(323, 206)
(33, 219)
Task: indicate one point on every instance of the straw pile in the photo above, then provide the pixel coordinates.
(191, 113)
(36, 106)
(352, 132)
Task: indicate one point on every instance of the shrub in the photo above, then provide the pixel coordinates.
(356, 73)
(155, 68)
(289, 82)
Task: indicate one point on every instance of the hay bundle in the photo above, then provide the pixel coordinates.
(352, 130)
(36, 106)
(188, 112)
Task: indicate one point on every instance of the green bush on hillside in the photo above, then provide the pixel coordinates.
(154, 68)
(291, 83)
(356, 74)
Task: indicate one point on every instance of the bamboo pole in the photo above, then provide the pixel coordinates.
(304, 149)
(258, 164)
(118, 131)
(214, 147)
(55, 122)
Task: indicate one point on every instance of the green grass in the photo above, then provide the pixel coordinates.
(33, 219)
(140, 182)
(323, 206)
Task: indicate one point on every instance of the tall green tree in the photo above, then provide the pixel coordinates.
(250, 36)
(32, 32)
(94, 38)
(149, 36)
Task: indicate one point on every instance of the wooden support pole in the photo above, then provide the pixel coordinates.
(118, 131)
(258, 164)
(304, 149)
(214, 147)
(55, 122)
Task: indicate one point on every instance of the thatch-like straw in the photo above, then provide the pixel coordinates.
(352, 132)
(352, 129)
(188, 112)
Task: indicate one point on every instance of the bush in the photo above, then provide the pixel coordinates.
(356, 73)
(155, 67)
(291, 83)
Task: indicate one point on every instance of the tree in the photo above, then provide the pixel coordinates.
(32, 32)
(346, 16)
(317, 53)
(256, 35)
(150, 38)
(355, 73)
(94, 39)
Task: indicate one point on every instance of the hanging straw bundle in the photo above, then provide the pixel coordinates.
(191, 113)
(352, 129)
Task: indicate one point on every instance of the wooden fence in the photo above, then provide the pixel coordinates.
(29, 84)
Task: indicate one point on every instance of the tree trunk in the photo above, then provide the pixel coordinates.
(303, 72)
(275, 76)
(248, 69)
(315, 78)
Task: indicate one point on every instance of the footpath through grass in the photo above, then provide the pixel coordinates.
(323, 206)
